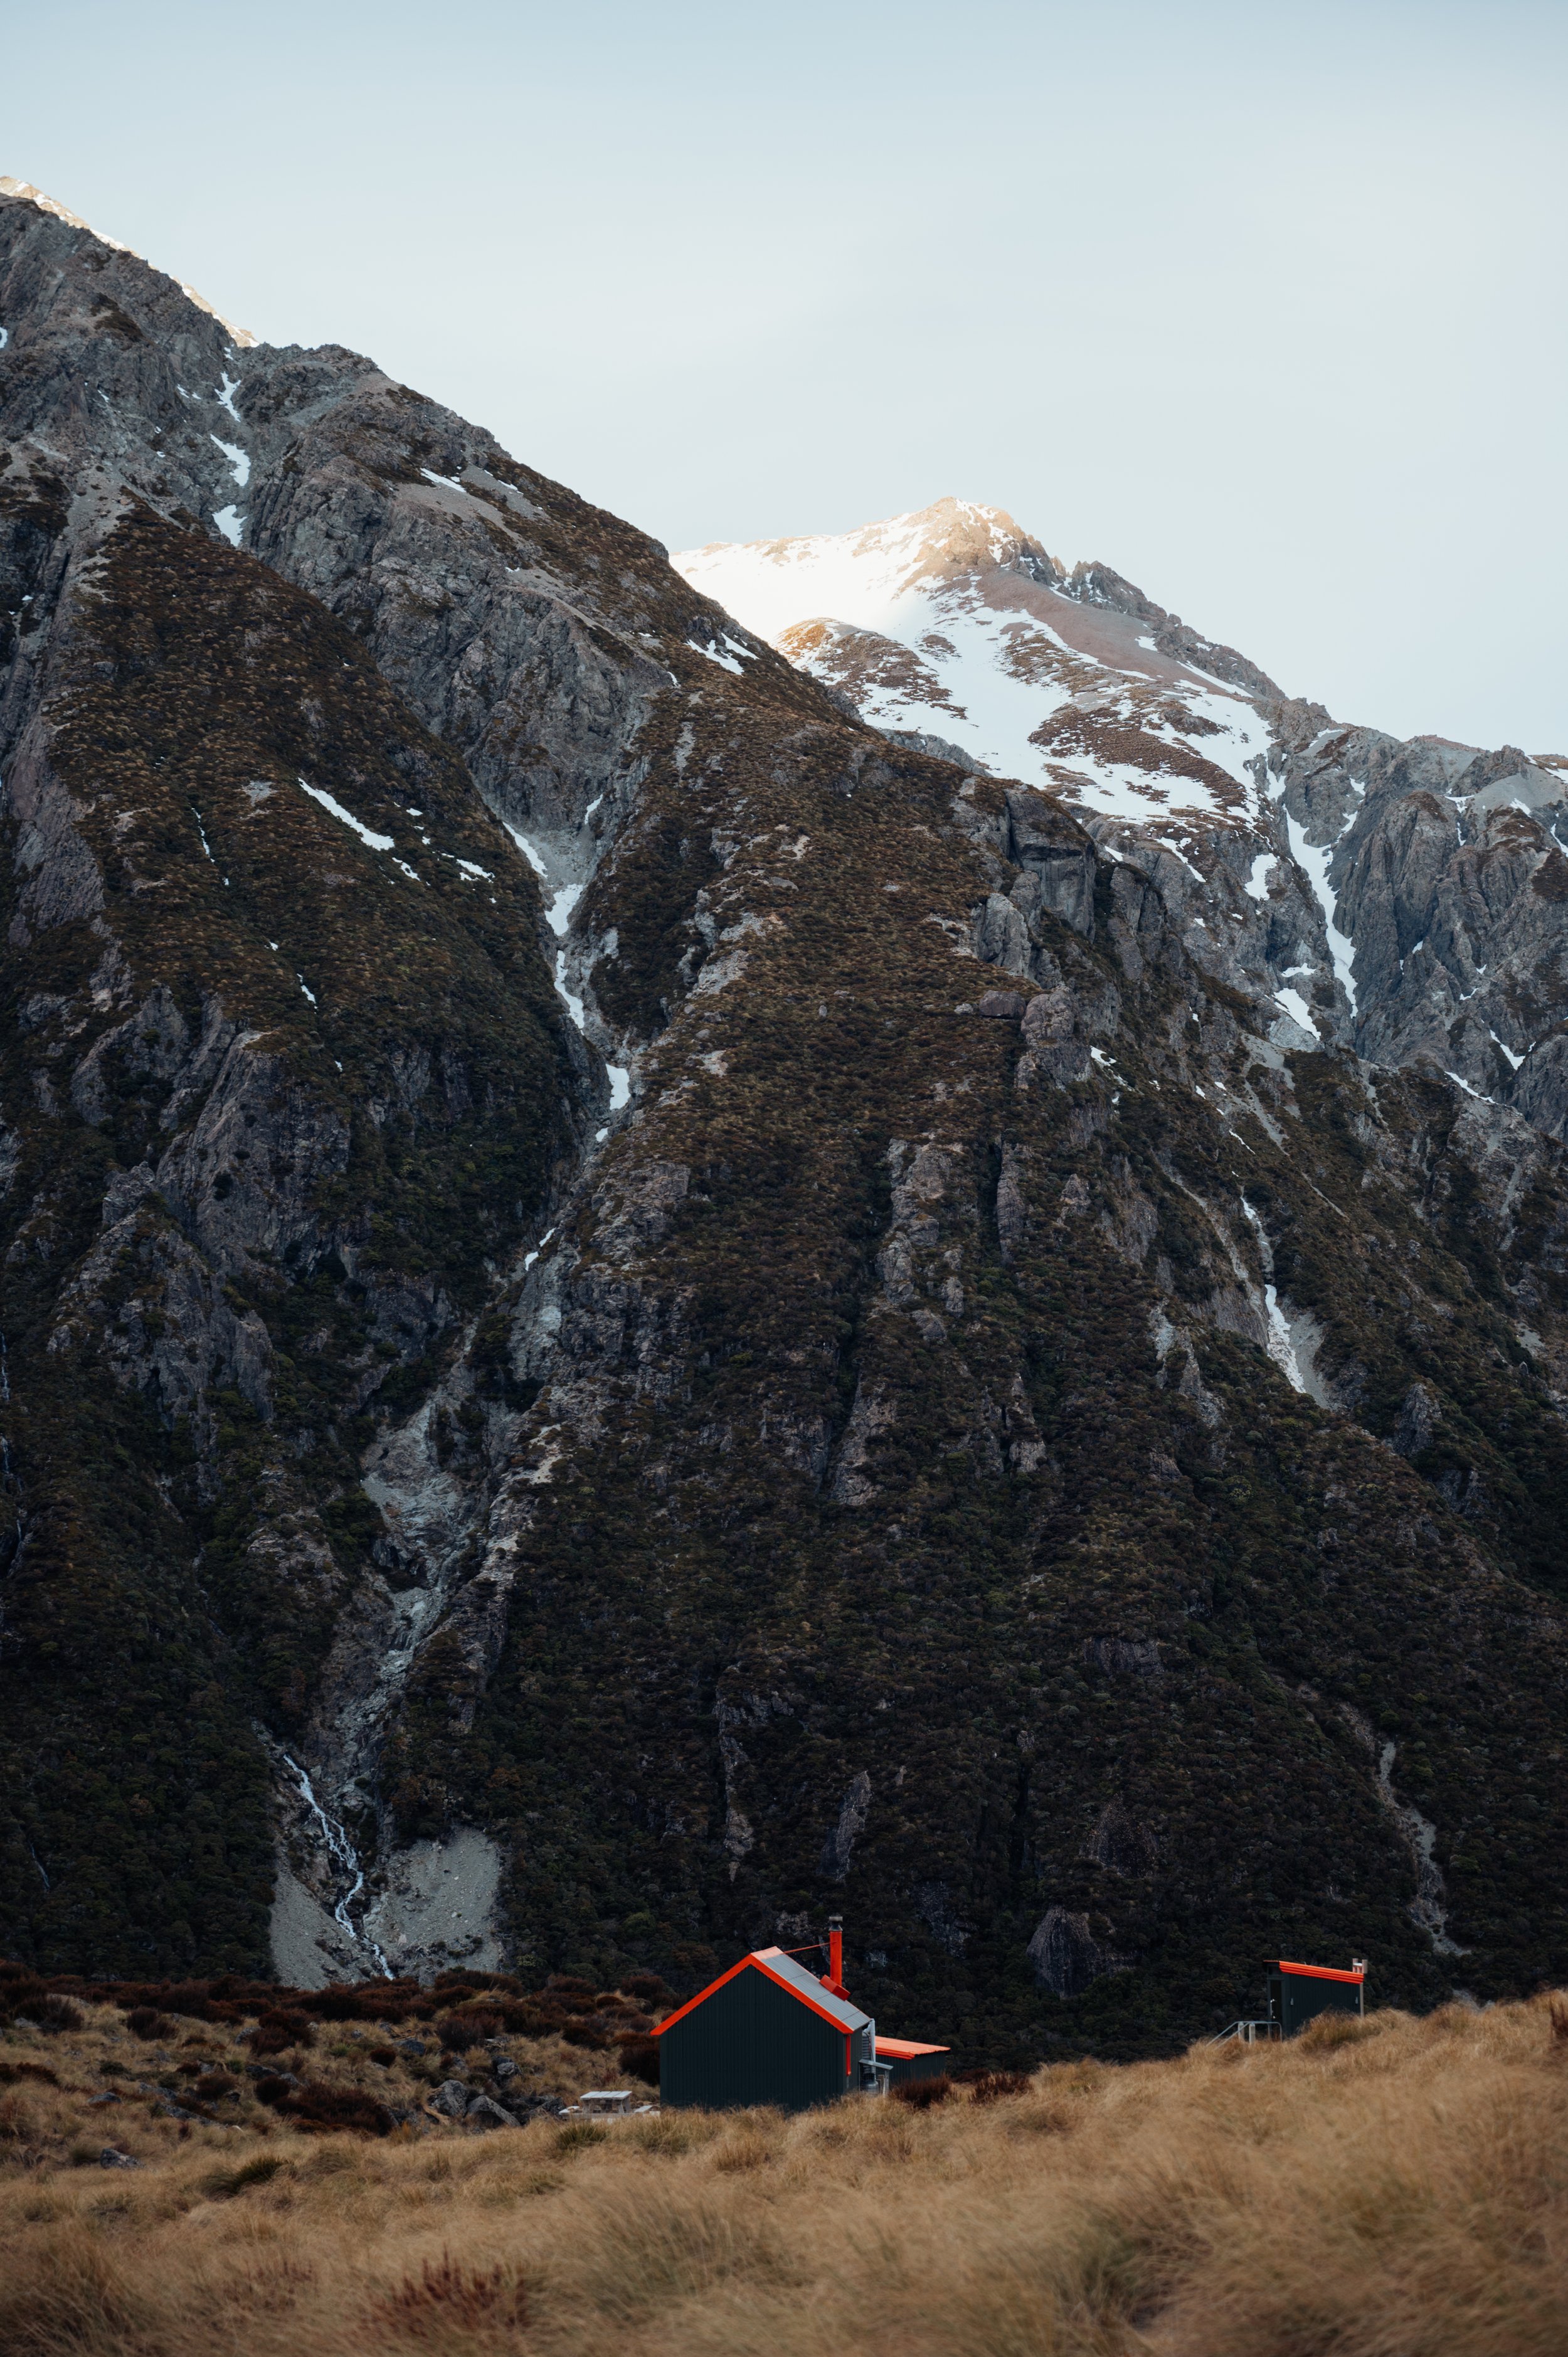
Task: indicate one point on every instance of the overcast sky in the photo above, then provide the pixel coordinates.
(1263, 306)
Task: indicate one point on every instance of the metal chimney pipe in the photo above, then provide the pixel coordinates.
(836, 1950)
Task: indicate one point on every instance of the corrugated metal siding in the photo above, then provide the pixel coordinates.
(917, 2066)
(752, 2044)
(1299, 2000)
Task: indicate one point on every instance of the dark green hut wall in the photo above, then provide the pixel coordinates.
(1299, 2000)
(751, 2043)
(918, 2066)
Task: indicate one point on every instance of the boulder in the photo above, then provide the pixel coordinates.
(484, 2112)
(524, 2108)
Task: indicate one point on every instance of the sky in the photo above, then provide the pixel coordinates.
(1265, 306)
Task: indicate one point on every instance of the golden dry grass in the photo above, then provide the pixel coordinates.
(1398, 2189)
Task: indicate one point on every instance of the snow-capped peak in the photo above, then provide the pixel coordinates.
(952, 622)
(860, 576)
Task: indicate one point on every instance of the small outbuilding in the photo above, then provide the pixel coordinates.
(902, 2058)
(767, 2032)
(1299, 1993)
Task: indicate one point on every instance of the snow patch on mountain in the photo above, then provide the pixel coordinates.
(1313, 861)
(239, 459)
(950, 622)
(329, 802)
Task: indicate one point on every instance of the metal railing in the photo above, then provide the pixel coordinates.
(1249, 2033)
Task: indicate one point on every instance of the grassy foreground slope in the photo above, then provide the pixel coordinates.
(1396, 2186)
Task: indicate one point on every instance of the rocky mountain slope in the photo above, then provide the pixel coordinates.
(635, 1310)
(1409, 900)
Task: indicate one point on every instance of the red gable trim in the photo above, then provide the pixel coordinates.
(904, 2050)
(753, 1964)
(701, 1999)
(1319, 1972)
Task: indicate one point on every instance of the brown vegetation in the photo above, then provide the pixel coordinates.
(463, 2008)
(1392, 2187)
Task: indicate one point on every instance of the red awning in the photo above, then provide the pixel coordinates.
(901, 2050)
(1317, 1971)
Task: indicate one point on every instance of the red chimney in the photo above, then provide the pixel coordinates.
(834, 1977)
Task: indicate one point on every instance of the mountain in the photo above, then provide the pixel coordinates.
(1409, 900)
(954, 621)
(636, 1311)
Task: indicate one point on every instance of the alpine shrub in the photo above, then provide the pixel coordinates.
(921, 2093)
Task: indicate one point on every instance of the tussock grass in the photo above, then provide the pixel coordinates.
(1396, 2188)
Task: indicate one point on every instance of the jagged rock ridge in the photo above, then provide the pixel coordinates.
(1409, 900)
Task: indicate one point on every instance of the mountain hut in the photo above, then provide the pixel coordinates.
(767, 2032)
(1299, 1993)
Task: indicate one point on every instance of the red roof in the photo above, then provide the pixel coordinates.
(1317, 1971)
(768, 1962)
(903, 2050)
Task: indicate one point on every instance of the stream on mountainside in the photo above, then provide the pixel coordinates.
(558, 915)
(434, 1514)
(341, 1849)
